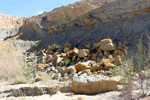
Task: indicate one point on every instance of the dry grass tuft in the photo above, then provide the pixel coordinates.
(11, 61)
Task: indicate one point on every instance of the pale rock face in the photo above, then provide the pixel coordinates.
(9, 25)
(107, 63)
(105, 45)
(71, 69)
(82, 66)
(93, 84)
(83, 53)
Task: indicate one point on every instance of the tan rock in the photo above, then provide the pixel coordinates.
(70, 69)
(83, 53)
(88, 71)
(56, 76)
(82, 66)
(66, 49)
(42, 66)
(118, 79)
(98, 59)
(110, 57)
(94, 56)
(106, 53)
(85, 59)
(95, 67)
(107, 63)
(38, 78)
(117, 59)
(63, 54)
(49, 59)
(117, 52)
(73, 52)
(105, 45)
(93, 84)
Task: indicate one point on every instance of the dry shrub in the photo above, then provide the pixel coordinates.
(11, 61)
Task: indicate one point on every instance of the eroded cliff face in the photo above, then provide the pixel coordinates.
(121, 20)
(20, 28)
(30, 30)
(9, 25)
(67, 13)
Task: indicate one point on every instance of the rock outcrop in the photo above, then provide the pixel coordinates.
(30, 30)
(119, 20)
(9, 25)
(67, 13)
(93, 84)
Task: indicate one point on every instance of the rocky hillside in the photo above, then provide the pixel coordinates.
(34, 28)
(66, 13)
(121, 20)
(9, 25)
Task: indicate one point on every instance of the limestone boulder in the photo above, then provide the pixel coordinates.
(83, 53)
(95, 67)
(49, 59)
(70, 69)
(93, 84)
(105, 45)
(118, 79)
(84, 65)
(107, 63)
(117, 52)
(73, 52)
(117, 59)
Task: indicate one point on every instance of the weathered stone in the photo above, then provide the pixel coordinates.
(106, 53)
(94, 56)
(93, 84)
(105, 45)
(117, 59)
(118, 79)
(95, 67)
(110, 57)
(61, 70)
(38, 78)
(82, 66)
(66, 49)
(42, 66)
(88, 71)
(107, 63)
(53, 68)
(83, 53)
(70, 69)
(73, 52)
(98, 59)
(117, 52)
(73, 75)
(57, 76)
(49, 59)
(63, 54)
(85, 59)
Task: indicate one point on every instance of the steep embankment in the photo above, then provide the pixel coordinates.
(67, 13)
(9, 25)
(20, 27)
(34, 28)
(123, 20)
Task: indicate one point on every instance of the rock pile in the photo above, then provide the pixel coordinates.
(67, 63)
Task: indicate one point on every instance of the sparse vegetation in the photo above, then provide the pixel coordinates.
(11, 61)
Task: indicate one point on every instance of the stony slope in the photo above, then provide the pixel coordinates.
(67, 13)
(9, 25)
(124, 20)
(33, 28)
